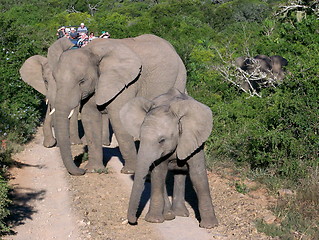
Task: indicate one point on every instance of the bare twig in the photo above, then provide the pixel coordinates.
(300, 5)
(238, 77)
(72, 9)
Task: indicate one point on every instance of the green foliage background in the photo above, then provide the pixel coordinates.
(277, 133)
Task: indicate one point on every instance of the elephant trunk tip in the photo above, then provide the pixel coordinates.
(132, 219)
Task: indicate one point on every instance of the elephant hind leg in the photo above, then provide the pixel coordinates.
(105, 130)
(198, 174)
(178, 205)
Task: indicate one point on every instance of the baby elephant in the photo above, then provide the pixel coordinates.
(172, 128)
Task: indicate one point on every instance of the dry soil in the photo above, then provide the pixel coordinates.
(51, 204)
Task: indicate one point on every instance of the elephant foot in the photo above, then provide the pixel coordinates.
(154, 218)
(169, 215)
(49, 142)
(94, 167)
(180, 210)
(76, 141)
(209, 222)
(127, 170)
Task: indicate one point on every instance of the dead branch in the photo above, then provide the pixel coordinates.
(298, 5)
(93, 8)
(72, 9)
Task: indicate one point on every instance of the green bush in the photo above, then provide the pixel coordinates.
(4, 203)
(236, 11)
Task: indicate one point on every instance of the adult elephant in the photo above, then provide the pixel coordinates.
(172, 129)
(263, 68)
(106, 74)
(36, 72)
(274, 64)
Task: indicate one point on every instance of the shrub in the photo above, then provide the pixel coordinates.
(222, 15)
(4, 202)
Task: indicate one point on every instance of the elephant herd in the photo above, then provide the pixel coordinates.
(139, 86)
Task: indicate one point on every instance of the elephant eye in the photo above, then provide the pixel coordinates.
(161, 140)
(81, 82)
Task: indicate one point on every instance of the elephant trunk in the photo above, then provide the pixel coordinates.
(62, 133)
(145, 158)
(137, 189)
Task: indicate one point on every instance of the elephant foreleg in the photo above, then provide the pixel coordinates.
(125, 141)
(158, 189)
(49, 140)
(198, 174)
(168, 213)
(92, 123)
(74, 127)
(178, 205)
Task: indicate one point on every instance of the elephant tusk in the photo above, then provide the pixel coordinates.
(52, 111)
(71, 113)
(46, 101)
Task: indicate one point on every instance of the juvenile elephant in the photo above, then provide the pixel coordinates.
(106, 74)
(172, 129)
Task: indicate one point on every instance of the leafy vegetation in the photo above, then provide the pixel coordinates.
(276, 134)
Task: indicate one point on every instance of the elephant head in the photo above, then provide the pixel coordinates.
(37, 71)
(103, 68)
(171, 125)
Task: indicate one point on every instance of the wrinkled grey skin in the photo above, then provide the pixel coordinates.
(273, 66)
(36, 72)
(172, 129)
(106, 74)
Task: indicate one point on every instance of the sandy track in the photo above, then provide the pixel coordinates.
(50, 204)
(41, 195)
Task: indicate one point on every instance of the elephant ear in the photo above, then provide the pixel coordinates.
(56, 49)
(132, 115)
(195, 125)
(278, 62)
(119, 66)
(32, 72)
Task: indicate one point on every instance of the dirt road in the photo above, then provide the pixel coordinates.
(50, 204)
